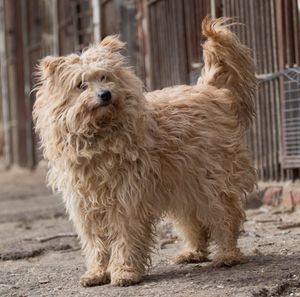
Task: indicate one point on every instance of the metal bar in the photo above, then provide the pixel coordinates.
(292, 109)
(290, 126)
(292, 91)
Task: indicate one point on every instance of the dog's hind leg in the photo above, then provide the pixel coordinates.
(196, 238)
(225, 234)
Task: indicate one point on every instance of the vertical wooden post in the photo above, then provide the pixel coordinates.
(55, 23)
(144, 42)
(4, 89)
(280, 55)
(213, 8)
(27, 87)
(16, 80)
(127, 25)
(96, 20)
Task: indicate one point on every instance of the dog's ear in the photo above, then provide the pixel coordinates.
(112, 43)
(49, 64)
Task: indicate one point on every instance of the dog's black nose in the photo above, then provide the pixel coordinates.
(104, 96)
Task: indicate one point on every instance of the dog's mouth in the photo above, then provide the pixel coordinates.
(101, 109)
(104, 103)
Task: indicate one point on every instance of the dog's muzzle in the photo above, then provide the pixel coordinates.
(104, 97)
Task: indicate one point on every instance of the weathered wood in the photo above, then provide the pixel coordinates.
(55, 32)
(14, 41)
(96, 20)
(27, 87)
(128, 30)
(163, 40)
(7, 131)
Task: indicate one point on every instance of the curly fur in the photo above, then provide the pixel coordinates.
(177, 152)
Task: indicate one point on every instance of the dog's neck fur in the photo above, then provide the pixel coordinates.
(123, 137)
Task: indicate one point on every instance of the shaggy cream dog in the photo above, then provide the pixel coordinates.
(123, 158)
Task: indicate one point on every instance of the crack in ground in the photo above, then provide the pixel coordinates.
(35, 251)
(283, 289)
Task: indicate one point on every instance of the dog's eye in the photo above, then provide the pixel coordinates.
(103, 78)
(82, 86)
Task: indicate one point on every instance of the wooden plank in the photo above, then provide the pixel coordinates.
(128, 30)
(281, 62)
(16, 81)
(268, 96)
(144, 42)
(252, 138)
(55, 32)
(275, 95)
(7, 130)
(66, 26)
(260, 105)
(288, 48)
(27, 87)
(109, 18)
(264, 91)
(96, 20)
(296, 29)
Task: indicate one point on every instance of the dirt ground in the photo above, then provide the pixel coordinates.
(33, 264)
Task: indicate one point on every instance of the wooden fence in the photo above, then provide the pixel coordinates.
(163, 42)
(273, 34)
(173, 39)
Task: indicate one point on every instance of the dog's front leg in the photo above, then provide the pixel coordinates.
(96, 261)
(94, 248)
(130, 251)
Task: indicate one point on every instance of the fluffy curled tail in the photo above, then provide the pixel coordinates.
(228, 64)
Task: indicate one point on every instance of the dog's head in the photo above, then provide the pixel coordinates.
(87, 91)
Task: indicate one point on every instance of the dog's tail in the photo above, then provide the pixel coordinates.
(228, 64)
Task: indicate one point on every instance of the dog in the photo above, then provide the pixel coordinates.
(123, 158)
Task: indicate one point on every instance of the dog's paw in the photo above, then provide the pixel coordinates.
(190, 257)
(227, 259)
(125, 278)
(95, 278)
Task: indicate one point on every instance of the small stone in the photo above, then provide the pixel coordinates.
(44, 281)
